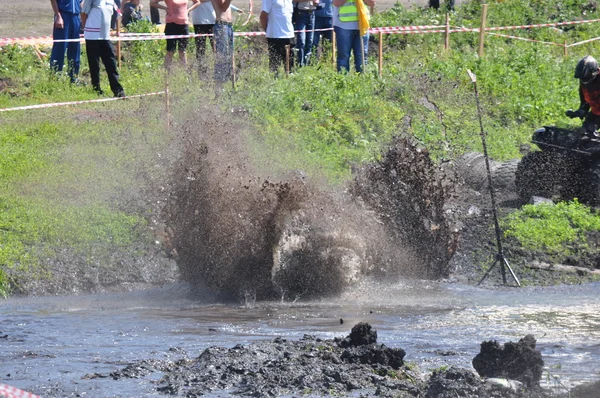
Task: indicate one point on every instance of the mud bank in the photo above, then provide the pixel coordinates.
(351, 366)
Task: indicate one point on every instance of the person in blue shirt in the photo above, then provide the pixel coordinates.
(323, 20)
(67, 25)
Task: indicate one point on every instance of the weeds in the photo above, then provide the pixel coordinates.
(554, 229)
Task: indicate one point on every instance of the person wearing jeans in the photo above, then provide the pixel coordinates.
(323, 20)
(67, 24)
(304, 24)
(347, 35)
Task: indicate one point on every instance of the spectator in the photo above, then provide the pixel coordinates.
(115, 15)
(203, 19)
(176, 25)
(96, 17)
(276, 20)
(304, 25)
(67, 25)
(223, 34)
(436, 4)
(154, 15)
(347, 34)
(132, 12)
(323, 20)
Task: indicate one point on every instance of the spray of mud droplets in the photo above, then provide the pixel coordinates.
(238, 231)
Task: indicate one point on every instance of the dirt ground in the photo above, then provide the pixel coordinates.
(29, 18)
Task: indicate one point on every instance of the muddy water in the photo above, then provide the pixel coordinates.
(49, 345)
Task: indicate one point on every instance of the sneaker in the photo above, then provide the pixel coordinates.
(120, 94)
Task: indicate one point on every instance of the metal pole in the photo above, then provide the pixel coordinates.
(500, 254)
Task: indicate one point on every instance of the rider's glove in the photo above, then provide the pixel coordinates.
(573, 114)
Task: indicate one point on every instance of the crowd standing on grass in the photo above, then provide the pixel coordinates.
(211, 18)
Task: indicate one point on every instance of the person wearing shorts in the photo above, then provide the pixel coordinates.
(223, 33)
(177, 24)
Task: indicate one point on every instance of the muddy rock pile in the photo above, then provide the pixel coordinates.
(350, 366)
(516, 361)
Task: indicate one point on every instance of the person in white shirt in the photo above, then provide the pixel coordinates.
(95, 17)
(276, 20)
(203, 19)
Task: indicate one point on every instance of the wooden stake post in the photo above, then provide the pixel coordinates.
(119, 43)
(380, 54)
(482, 28)
(333, 48)
(447, 41)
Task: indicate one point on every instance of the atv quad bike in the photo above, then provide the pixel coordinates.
(567, 166)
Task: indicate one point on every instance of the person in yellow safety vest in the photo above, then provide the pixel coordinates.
(348, 38)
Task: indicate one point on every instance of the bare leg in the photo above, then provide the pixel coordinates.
(183, 58)
(169, 59)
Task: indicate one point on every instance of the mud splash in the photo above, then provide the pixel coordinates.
(243, 232)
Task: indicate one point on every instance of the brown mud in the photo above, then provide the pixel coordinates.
(240, 230)
(352, 366)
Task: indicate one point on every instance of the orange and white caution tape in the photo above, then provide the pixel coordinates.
(400, 29)
(55, 104)
(526, 39)
(583, 42)
(12, 392)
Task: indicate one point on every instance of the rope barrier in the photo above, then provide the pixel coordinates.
(583, 42)
(55, 104)
(12, 392)
(526, 39)
(420, 29)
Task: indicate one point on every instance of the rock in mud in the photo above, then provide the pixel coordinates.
(516, 361)
(352, 366)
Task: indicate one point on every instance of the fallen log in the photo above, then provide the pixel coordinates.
(563, 268)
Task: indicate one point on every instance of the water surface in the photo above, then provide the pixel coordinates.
(51, 343)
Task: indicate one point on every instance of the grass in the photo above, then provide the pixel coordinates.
(64, 172)
(553, 229)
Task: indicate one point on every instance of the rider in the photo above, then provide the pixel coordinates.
(589, 93)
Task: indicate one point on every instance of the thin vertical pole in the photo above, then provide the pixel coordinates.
(167, 102)
(233, 64)
(333, 48)
(447, 41)
(287, 59)
(566, 49)
(119, 43)
(482, 28)
(380, 54)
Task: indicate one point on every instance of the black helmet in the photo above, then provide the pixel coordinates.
(586, 69)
